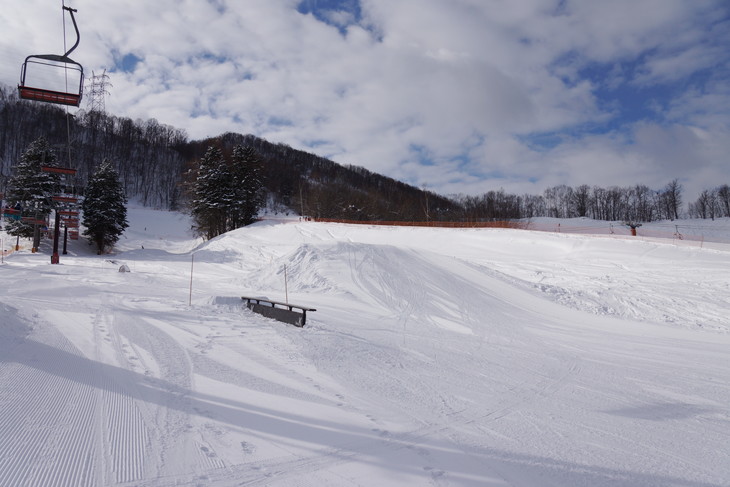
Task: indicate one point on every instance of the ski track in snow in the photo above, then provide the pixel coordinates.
(54, 419)
(436, 357)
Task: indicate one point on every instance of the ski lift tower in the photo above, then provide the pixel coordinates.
(67, 210)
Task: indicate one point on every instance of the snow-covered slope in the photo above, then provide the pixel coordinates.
(435, 357)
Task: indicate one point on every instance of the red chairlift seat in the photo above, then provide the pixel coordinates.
(58, 170)
(65, 199)
(53, 71)
(11, 213)
(38, 94)
(33, 221)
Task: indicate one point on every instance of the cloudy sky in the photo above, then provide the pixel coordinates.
(459, 96)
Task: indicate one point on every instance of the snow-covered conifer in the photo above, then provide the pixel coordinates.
(212, 194)
(247, 186)
(104, 208)
(30, 189)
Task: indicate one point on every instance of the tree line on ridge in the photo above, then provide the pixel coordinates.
(156, 163)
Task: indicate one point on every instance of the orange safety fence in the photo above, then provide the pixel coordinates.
(432, 224)
(696, 233)
(681, 234)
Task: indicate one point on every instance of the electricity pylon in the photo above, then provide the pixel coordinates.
(96, 90)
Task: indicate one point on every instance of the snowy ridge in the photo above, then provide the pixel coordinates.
(436, 357)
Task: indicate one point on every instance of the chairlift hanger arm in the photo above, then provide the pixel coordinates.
(64, 58)
(76, 28)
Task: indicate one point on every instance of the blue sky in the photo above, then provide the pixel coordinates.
(460, 96)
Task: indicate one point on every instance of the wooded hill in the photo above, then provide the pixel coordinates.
(154, 160)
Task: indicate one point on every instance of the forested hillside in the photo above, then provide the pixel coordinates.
(155, 161)
(315, 186)
(146, 153)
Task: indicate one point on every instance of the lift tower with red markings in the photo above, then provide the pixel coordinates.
(67, 209)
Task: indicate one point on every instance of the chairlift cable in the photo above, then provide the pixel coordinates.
(63, 22)
(68, 124)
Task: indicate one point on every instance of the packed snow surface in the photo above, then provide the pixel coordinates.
(445, 357)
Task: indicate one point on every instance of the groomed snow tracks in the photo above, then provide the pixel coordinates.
(47, 432)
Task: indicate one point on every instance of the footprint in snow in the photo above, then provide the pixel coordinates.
(435, 473)
(247, 448)
(208, 452)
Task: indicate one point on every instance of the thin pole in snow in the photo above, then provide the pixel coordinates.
(286, 287)
(301, 201)
(192, 262)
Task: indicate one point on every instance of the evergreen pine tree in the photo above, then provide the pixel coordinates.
(212, 198)
(247, 186)
(104, 208)
(30, 189)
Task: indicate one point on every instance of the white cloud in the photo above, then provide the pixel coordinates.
(468, 82)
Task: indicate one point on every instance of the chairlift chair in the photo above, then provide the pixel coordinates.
(59, 170)
(62, 198)
(12, 213)
(33, 221)
(49, 76)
